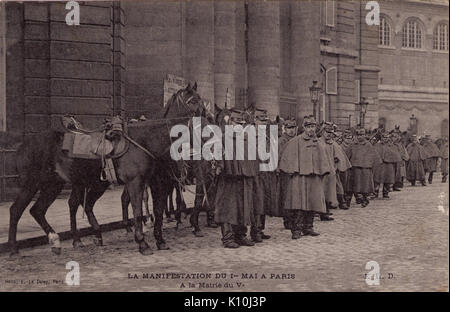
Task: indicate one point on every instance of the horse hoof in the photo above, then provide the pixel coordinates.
(98, 242)
(146, 251)
(198, 233)
(78, 244)
(163, 246)
(56, 250)
(14, 254)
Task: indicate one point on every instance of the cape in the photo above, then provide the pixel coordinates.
(364, 155)
(242, 168)
(305, 156)
(416, 151)
(343, 163)
(388, 153)
(432, 150)
(402, 150)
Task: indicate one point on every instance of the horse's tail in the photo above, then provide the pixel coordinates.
(36, 155)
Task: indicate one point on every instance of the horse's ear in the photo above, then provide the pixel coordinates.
(188, 88)
(217, 109)
(277, 119)
(195, 87)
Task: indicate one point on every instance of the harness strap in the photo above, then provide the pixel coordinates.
(139, 146)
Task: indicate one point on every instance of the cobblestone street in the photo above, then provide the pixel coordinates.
(406, 235)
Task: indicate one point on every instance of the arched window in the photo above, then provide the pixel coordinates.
(412, 35)
(384, 32)
(440, 37)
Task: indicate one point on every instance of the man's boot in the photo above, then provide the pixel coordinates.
(326, 216)
(423, 182)
(376, 191)
(358, 198)
(210, 220)
(308, 219)
(263, 226)
(240, 236)
(342, 203)
(430, 178)
(296, 223)
(444, 178)
(348, 199)
(386, 188)
(287, 219)
(364, 200)
(228, 236)
(255, 230)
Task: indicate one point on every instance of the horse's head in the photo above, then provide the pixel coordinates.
(185, 102)
(222, 116)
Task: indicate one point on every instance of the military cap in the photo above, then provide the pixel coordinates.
(309, 120)
(291, 123)
(328, 127)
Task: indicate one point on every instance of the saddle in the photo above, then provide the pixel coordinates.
(80, 142)
(84, 143)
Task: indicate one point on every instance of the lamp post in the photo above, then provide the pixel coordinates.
(413, 124)
(363, 110)
(314, 91)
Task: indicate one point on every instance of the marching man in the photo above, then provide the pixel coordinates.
(433, 152)
(363, 157)
(290, 131)
(414, 168)
(303, 165)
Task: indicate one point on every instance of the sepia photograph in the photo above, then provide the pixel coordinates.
(236, 146)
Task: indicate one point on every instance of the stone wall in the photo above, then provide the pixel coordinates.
(55, 69)
(414, 81)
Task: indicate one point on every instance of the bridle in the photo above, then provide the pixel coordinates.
(180, 101)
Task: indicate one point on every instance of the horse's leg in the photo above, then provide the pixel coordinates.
(94, 193)
(125, 199)
(75, 200)
(135, 190)
(170, 209)
(145, 199)
(159, 195)
(15, 212)
(198, 203)
(47, 196)
(180, 207)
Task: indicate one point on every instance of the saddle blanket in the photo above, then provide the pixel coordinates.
(86, 146)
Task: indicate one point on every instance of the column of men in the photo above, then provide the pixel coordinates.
(320, 168)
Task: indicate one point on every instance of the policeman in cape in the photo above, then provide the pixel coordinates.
(234, 207)
(303, 165)
(290, 131)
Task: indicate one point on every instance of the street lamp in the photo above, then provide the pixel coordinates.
(314, 91)
(413, 124)
(363, 110)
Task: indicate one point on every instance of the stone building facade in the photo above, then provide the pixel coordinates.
(414, 74)
(266, 53)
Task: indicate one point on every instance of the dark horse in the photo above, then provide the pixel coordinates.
(43, 166)
(160, 172)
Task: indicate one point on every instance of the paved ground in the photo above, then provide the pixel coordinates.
(406, 235)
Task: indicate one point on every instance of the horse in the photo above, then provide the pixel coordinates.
(43, 167)
(159, 172)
